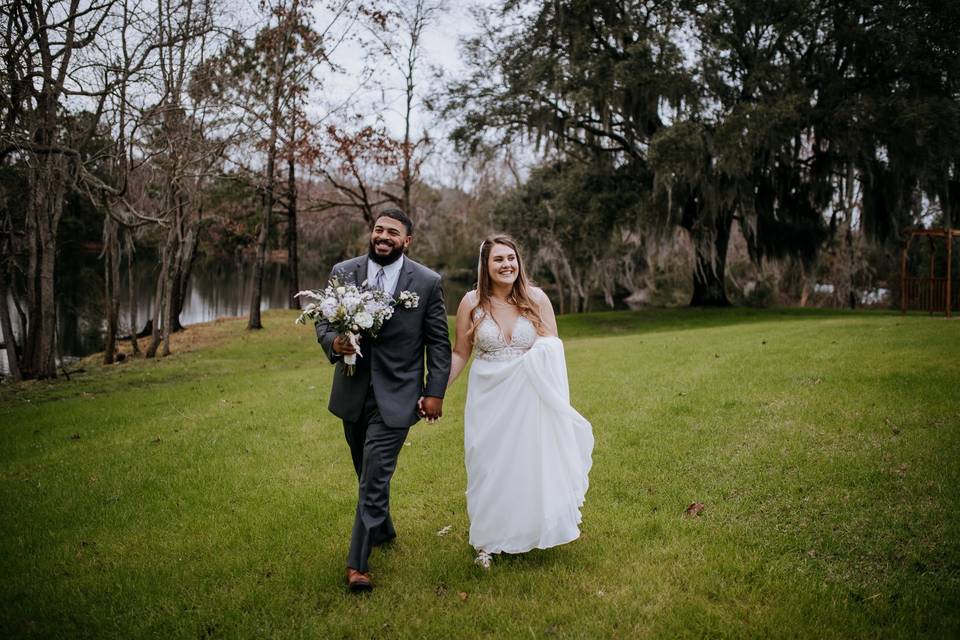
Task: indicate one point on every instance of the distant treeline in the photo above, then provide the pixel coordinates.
(672, 152)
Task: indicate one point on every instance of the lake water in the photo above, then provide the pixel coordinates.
(215, 291)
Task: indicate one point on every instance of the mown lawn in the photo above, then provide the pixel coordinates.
(210, 494)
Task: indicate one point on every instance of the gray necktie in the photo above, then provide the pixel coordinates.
(381, 282)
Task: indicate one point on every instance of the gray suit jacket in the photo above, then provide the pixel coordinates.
(393, 362)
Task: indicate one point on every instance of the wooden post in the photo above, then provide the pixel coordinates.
(931, 297)
(949, 270)
(903, 277)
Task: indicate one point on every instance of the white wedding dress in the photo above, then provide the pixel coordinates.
(527, 451)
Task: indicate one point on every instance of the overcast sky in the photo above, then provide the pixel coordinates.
(384, 96)
(439, 49)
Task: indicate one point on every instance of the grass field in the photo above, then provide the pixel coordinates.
(210, 494)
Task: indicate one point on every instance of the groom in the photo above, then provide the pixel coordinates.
(387, 393)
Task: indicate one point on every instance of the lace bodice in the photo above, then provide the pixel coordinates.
(489, 342)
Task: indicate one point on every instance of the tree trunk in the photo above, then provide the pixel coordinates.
(407, 173)
(32, 293)
(710, 246)
(278, 89)
(45, 364)
(188, 251)
(171, 311)
(257, 288)
(111, 277)
(6, 290)
(560, 289)
(161, 297)
(155, 320)
(48, 184)
(6, 326)
(131, 286)
(293, 260)
(852, 263)
(169, 292)
(577, 294)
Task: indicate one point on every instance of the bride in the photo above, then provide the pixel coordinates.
(527, 451)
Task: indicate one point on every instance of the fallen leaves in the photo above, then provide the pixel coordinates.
(694, 509)
(463, 595)
(445, 530)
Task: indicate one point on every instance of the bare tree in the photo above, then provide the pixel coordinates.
(401, 40)
(280, 44)
(187, 150)
(62, 57)
(357, 165)
(265, 80)
(43, 40)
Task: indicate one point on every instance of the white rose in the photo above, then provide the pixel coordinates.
(364, 319)
(341, 290)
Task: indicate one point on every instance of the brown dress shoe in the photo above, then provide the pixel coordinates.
(358, 580)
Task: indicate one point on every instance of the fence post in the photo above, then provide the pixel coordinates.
(903, 279)
(949, 270)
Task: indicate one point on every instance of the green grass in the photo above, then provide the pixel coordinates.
(210, 494)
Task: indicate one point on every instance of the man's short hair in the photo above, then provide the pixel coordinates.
(400, 216)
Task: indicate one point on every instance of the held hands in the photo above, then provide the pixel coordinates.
(342, 346)
(430, 408)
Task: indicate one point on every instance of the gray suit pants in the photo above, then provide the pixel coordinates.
(374, 447)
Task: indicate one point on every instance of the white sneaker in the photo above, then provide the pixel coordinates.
(483, 559)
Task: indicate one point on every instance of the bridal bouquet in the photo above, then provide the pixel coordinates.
(350, 309)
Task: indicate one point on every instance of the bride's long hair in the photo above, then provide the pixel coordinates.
(519, 295)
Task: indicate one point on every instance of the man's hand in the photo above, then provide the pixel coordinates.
(342, 346)
(431, 408)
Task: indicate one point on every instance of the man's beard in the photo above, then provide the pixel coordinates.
(383, 261)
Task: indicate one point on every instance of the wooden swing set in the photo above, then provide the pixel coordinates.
(932, 293)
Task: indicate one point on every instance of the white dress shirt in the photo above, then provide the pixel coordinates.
(391, 273)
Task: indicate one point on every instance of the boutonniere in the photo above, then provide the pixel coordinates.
(408, 300)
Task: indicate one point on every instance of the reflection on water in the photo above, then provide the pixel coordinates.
(217, 290)
(220, 292)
